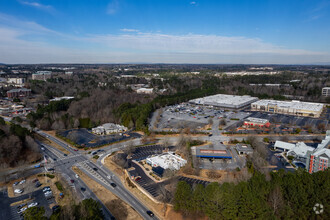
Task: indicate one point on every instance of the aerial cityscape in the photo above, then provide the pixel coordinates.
(173, 110)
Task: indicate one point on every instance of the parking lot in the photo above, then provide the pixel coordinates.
(195, 116)
(13, 212)
(192, 181)
(289, 119)
(145, 182)
(85, 138)
(141, 153)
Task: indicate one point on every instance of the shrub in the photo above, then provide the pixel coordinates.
(96, 157)
(59, 186)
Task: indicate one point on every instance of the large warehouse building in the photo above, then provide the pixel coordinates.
(297, 108)
(225, 101)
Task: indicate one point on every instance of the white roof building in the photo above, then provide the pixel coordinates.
(299, 149)
(145, 90)
(167, 160)
(225, 101)
(108, 128)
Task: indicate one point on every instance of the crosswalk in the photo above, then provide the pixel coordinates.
(84, 166)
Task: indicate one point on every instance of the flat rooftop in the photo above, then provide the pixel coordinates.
(222, 100)
(207, 152)
(309, 106)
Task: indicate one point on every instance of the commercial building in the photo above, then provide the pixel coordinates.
(244, 149)
(326, 91)
(16, 81)
(250, 121)
(168, 160)
(145, 90)
(294, 107)
(42, 75)
(211, 152)
(22, 92)
(108, 128)
(298, 150)
(319, 158)
(225, 101)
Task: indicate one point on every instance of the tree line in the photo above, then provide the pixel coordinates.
(284, 196)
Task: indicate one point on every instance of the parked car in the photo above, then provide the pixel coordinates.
(21, 206)
(23, 181)
(35, 180)
(65, 155)
(38, 184)
(19, 191)
(83, 189)
(32, 204)
(72, 181)
(95, 169)
(113, 184)
(15, 183)
(45, 189)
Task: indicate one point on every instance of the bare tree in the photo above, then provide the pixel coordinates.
(275, 199)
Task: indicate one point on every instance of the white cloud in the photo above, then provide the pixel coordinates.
(113, 7)
(129, 30)
(38, 5)
(193, 43)
(193, 3)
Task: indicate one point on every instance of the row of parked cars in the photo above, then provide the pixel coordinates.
(21, 208)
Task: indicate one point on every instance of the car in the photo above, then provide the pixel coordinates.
(113, 184)
(72, 181)
(45, 189)
(109, 177)
(32, 204)
(35, 180)
(210, 135)
(21, 206)
(38, 184)
(75, 149)
(23, 209)
(23, 181)
(15, 183)
(95, 169)
(48, 193)
(54, 159)
(137, 178)
(42, 148)
(150, 213)
(83, 189)
(65, 155)
(18, 191)
(77, 176)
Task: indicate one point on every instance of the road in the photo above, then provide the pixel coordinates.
(97, 172)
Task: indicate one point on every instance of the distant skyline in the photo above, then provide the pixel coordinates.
(171, 31)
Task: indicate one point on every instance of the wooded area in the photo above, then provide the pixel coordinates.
(17, 147)
(284, 196)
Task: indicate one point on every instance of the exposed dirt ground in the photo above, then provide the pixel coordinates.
(117, 207)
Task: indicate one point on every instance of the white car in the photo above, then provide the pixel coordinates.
(77, 176)
(23, 181)
(48, 193)
(19, 191)
(32, 204)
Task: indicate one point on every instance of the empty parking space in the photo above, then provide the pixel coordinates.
(192, 181)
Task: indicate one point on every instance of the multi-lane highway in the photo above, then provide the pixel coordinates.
(97, 172)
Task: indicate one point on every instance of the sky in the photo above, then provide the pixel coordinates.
(165, 31)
